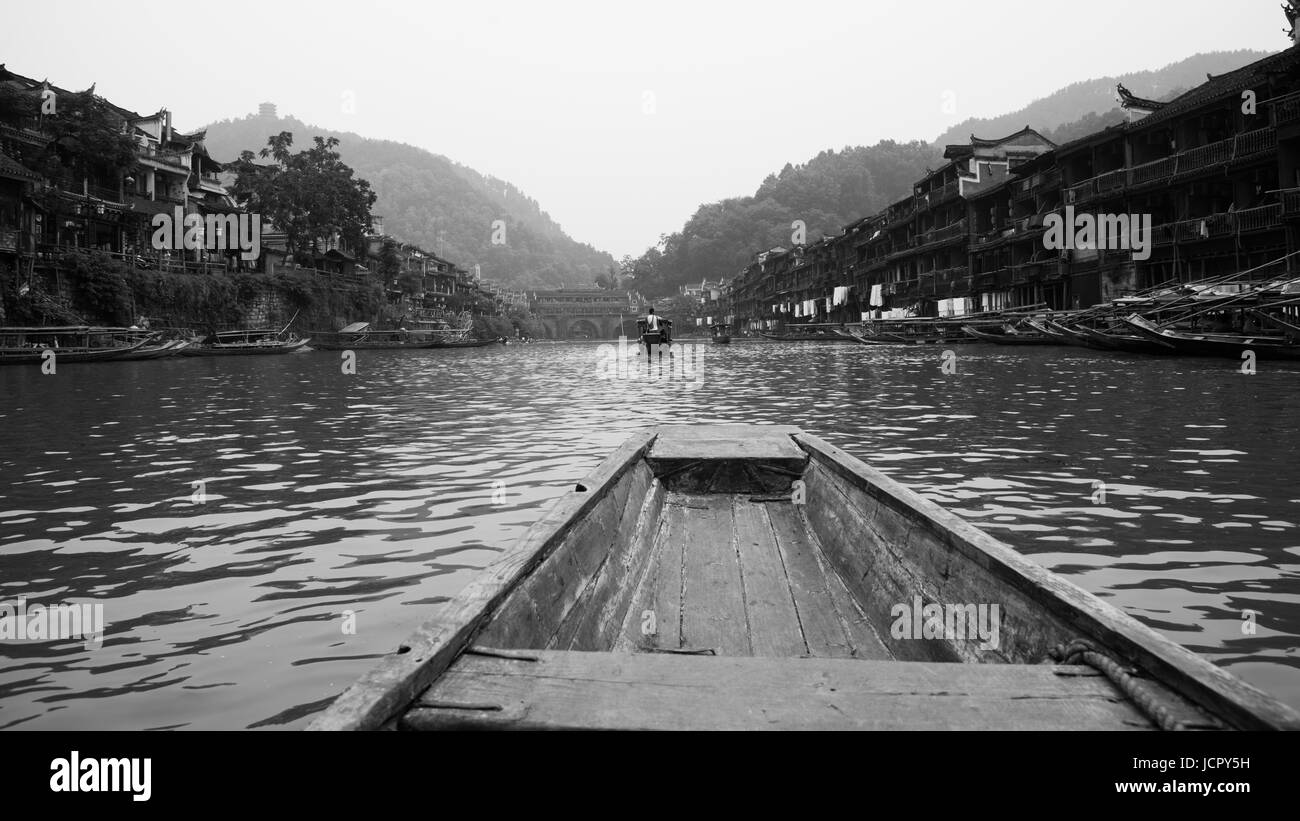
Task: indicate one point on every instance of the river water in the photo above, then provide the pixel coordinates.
(229, 513)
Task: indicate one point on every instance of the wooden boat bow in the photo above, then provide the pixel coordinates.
(740, 577)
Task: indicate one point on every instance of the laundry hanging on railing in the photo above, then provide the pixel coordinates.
(877, 295)
(841, 294)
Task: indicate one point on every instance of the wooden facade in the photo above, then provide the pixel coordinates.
(1217, 169)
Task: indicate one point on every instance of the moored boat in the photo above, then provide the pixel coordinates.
(463, 343)
(252, 342)
(1130, 343)
(1235, 346)
(70, 343)
(757, 577)
(1003, 336)
(360, 336)
(817, 335)
(721, 333)
(1063, 334)
(157, 350)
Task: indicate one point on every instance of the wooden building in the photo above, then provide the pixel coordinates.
(1216, 170)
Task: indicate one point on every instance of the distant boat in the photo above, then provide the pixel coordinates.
(721, 333)
(360, 336)
(444, 327)
(819, 335)
(253, 342)
(663, 336)
(70, 343)
(1005, 336)
(464, 343)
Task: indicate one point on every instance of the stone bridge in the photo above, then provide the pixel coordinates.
(603, 326)
(585, 314)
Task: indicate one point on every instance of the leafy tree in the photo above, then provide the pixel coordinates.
(87, 138)
(410, 282)
(390, 264)
(311, 195)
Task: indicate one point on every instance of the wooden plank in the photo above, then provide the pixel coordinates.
(878, 573)
(725, 442)
(679, 438)
(863, 639)
(426, 653)
(535, 610)
(769, 604)
(864, 635)
(823, 632)
(567, 690)
(615, 586)
(713, 605)
(659, 593)
(1079, 613)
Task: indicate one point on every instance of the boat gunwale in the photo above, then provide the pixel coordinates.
(385, 690)
(1190, 675)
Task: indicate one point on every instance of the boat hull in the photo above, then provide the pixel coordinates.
(1210, 345)
(835, 337)
(35, 356)
(244, 350)
(743, 577)
(1010, 339)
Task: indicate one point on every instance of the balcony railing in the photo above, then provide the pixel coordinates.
(1259, 219)
(1291, 202)
(1186, 162)
(150, 260)
(1286, 110)
(900, 214)
(1219, 225)
(929, 199)
(956, 229)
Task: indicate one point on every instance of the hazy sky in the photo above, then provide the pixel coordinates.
(619, 118)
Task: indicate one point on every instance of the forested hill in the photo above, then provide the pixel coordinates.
(425, 197)
(827, 192)
(837, 187)
(1097, 96)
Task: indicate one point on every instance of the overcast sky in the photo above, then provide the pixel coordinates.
(619, 118)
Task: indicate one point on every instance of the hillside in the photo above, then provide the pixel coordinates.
(1098, 96)
(837, 187)
(440, 205)
(827, 192)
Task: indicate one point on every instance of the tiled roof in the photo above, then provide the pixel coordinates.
(14, 170)
(1256, 75)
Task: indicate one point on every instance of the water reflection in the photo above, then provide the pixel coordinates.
(1168, 487)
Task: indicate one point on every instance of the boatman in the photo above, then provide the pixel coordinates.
(653, 325)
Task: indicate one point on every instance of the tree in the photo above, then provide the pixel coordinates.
(87, 137)
(311, 195)
(390, 265)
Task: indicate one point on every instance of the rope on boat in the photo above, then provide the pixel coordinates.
(1139, 692)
